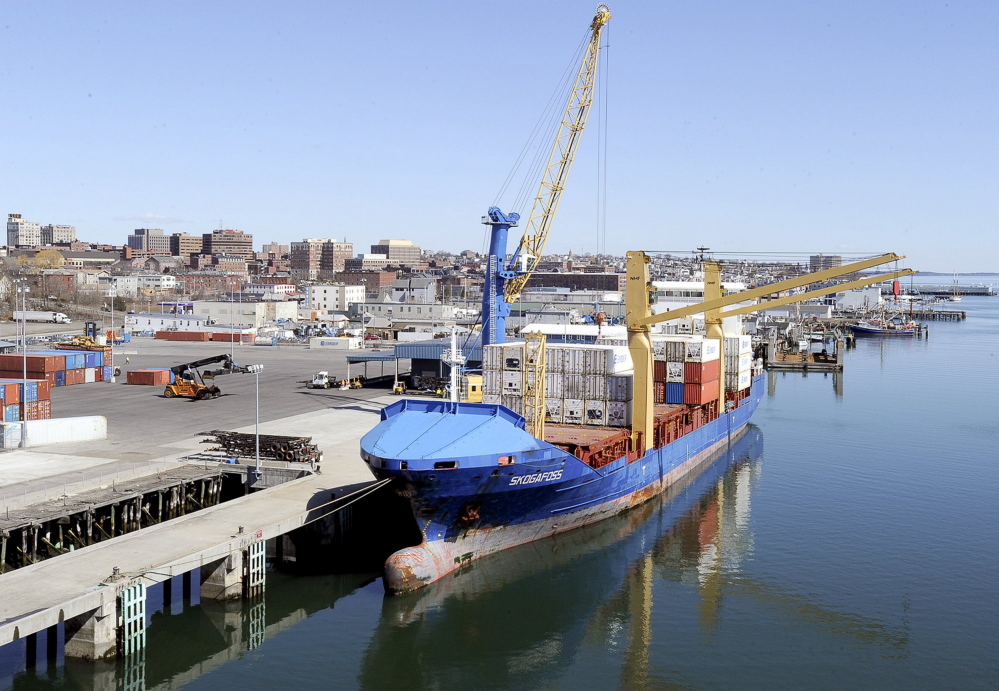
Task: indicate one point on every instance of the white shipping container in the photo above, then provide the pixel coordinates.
(334, 343)
(575, 361)
(619, 413)
(553, 386)
(595, 412)
(737, 381)
(676, 350)
(492, 358)
(595, 387)
(553, 408)
(492, 398)
(674, 372)
(703, 350)
(738, 363)
(554, 360)
(573, 386)
(514, 403)
(513, 357)
(572, 411)
(89, 375)
(607, 360)
(738, 344)
(620, 387)
(492, 383)
(659, 350)
(512, 382)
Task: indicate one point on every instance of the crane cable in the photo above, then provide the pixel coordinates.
(544, 129)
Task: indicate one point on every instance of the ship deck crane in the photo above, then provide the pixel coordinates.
(638, 298)
(505, 281)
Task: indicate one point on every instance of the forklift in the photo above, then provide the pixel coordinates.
(190, 380)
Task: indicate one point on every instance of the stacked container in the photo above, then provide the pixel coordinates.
(584, 384)
(58, 367)
(738, 362)
(30, 398)
(685, 369)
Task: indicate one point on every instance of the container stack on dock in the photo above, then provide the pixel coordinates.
(584, 384)
(57, 367)
(30, 398)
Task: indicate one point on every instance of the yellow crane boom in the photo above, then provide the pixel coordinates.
(532, 244)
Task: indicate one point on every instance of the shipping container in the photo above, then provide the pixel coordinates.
(492, 383)
(60, 378)
(620, 387)
(659, 370)
(573, 386)
(148, 377)
(89, 377)
(98, 374)
(107, 372)
(554, 386)
(619, 413)
(674, 393)
(491, 356)
(738, 363)
(553, 410)
(513, 382)
(738, 345)
(699, 394)
(574, 361)
(554, 359)
(595, 412)
(674, 372)
(33, 362)
(492, 399)
(703, 350)
(572, 411)
(513, 357)
(698, 372)
(44, 410)
(12, 412)
(595, 387)
(737, 381)
(514, 403)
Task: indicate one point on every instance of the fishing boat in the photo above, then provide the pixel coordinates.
(884, 326)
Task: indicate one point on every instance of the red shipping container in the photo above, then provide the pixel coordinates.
(11, 393)
(659, 396)
(699, 394)
(98, 374)
(35, 363)
(31, 410)
(44, 410)
(659, 370)
(698, 372)
(148, 377)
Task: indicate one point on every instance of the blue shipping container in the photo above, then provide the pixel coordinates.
(90, 359)
(60, 378)
(107, 373)
(674, 392)
(98, 360)
(12, 412)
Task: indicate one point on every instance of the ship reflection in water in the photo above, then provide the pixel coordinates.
(522, 617)
(611, 605)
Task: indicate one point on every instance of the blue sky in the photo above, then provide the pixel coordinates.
(763, 126)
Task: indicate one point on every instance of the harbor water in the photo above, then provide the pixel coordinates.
(848, 540)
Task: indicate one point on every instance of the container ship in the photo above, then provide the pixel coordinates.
(480, 482)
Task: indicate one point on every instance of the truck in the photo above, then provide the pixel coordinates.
(322, 380)
(41, 316)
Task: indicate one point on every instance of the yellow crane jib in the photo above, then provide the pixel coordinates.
(532, 244)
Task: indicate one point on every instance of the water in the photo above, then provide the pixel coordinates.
(845, 542)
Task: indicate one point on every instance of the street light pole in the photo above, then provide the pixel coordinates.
(112, 294)
(24, 290)
(255, 370)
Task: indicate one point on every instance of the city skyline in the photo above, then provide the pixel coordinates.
(769, 128)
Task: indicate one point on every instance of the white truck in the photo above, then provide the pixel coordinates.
(41, 316)
(322, 380)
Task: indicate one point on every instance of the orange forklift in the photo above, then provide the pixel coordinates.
(190, 381)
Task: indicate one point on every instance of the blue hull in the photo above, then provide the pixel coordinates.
(479, 483)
